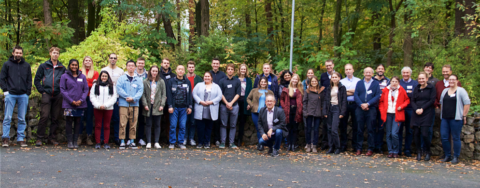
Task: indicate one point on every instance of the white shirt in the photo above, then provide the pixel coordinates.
(270, 118)
(114, 73)
(392, 104)
(445, 83)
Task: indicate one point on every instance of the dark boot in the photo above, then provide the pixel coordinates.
(70, 141)
(75, 144)
(427, 156)
(331, 150)
(419, 155)
(455, 160)
(292, 148)
(447, 159)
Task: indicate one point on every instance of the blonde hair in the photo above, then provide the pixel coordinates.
(84, 70)
(299, 86)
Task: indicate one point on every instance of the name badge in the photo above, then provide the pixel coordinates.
(134, 85)
(184, 85)
(409, 87)
(269, 83)
(409, 91)
(79, 80)
(452, 95)
(229, 86)
(174, 89)
(275, 121)
(167, 77)
(369, 92)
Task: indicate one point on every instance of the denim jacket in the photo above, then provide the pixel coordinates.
(133, 89)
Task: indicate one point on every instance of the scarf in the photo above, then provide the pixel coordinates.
(97, 88)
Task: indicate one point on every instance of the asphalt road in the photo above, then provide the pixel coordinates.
(246, 167)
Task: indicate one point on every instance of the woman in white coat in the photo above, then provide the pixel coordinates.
(103, 96)
(207, 96)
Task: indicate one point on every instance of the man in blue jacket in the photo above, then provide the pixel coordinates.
(272, 79)
(47, 82)
(16, 83)
(179, 102)
(367, 93)
(408, 84)
(130, 90)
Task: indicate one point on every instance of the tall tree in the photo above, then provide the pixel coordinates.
(179, 25)
(459, 22)
(205, 11)
(81, 21)
(320, 25)
(356, 16)
(393, 25)
(407, 40)
(167, 24)
(73, 14)
(47, 14)
(91, 17)
(268, 15)
(469, 16)
(336, 26)
(377, 45)
(191, 21)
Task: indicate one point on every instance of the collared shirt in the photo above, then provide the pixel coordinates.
(367, 84)
(230, 88)
(350, 84)
(269, 81)
(409, 80)
(445, 83)
(330, 76)
(270, 118)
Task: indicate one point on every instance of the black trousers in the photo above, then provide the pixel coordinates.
(324, 132)
(422, 132)
(156, 122)
(292, 127)
(242, 119)
(351, 107)
(69, 126)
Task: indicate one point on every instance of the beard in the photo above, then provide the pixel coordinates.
(379, 73)
(17, 58)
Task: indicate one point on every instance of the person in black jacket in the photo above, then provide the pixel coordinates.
(325, 82)
(334, 108)
(179, 102)
(422, 103)
(166, 72)
(16, 83)
(272, 125)
(47, 82)
(217, 77)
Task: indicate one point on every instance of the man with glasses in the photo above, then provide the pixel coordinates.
(115, 73)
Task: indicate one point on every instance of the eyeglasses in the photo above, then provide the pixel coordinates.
(113, 58)
(452, 80)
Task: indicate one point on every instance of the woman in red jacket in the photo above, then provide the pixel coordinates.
(291, 102)
(91, 75)
(392, 106)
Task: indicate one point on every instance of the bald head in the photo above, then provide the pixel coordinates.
(368, 73)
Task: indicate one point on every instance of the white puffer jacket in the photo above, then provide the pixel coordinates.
(104, 98)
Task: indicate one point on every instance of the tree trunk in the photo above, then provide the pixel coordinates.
(358, 12)
(191, 22)
(73, 12)
(393, 12)
(320, 35)
(248, 22)
(81, 21)
(407, 41)
(179, 26)
(268, 14)
(459, 22)
(47, 14)
(377, 46)
(469, 22)
(336, 26)
(120, 13)
(98, 18)
(205, 8)
(18, 22)
(282, 24)
(167, 24)
(91, 17)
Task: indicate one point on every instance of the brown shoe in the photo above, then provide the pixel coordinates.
(369, 153)
(5, 143)
(39, 142)
(79, 140)
(390, 155)
(53, 142)
(89, 140)
(359, 152)
(22, 143)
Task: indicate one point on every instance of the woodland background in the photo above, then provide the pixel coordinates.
(364, 33)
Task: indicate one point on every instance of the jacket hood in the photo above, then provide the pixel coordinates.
(49, 62)
(166, 73)
(12, 59)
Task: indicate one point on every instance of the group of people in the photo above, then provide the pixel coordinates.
(219, 102)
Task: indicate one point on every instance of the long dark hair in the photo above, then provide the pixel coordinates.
(150, 73)
(282, 79)
(98, 82)
(70, 62)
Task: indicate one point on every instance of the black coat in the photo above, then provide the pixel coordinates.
(16, 77)
(279, 114)
(47, 78)
(423, 98)
(164, 75)
(342, 100)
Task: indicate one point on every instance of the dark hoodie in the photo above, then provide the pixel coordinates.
(179, 94)
(167, 75)
(16, 77)
(47, 78)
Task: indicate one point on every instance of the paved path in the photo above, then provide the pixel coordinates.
(246, 167)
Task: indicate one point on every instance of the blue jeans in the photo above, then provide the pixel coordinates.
(88, 117)
(276, 139)
(366, 119)
(255, 122)
(380, 131)
(10, 101)
(190, 127)
(430, 130)
(451, 127)
(204, 131)
(408, 133)
(392, 128)
(313, 123)
(179, 115)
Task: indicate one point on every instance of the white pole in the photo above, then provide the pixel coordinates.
(291, 34)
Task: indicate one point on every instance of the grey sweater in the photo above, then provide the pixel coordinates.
(462, 99)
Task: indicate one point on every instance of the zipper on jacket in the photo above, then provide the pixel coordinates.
(53, 80)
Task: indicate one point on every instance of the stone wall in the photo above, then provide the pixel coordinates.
(470, 134)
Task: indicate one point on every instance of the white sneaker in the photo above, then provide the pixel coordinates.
(217, 143)
(141, 142)
(149, 146)
(122, 146)
(192, 142)
(157, 146)
(128, 142)
(184, 142)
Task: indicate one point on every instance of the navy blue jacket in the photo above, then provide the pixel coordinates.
(361, 95)
(218, 76)
(409, 87)
(325, 81)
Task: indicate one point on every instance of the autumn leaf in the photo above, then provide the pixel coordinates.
(280, 180)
